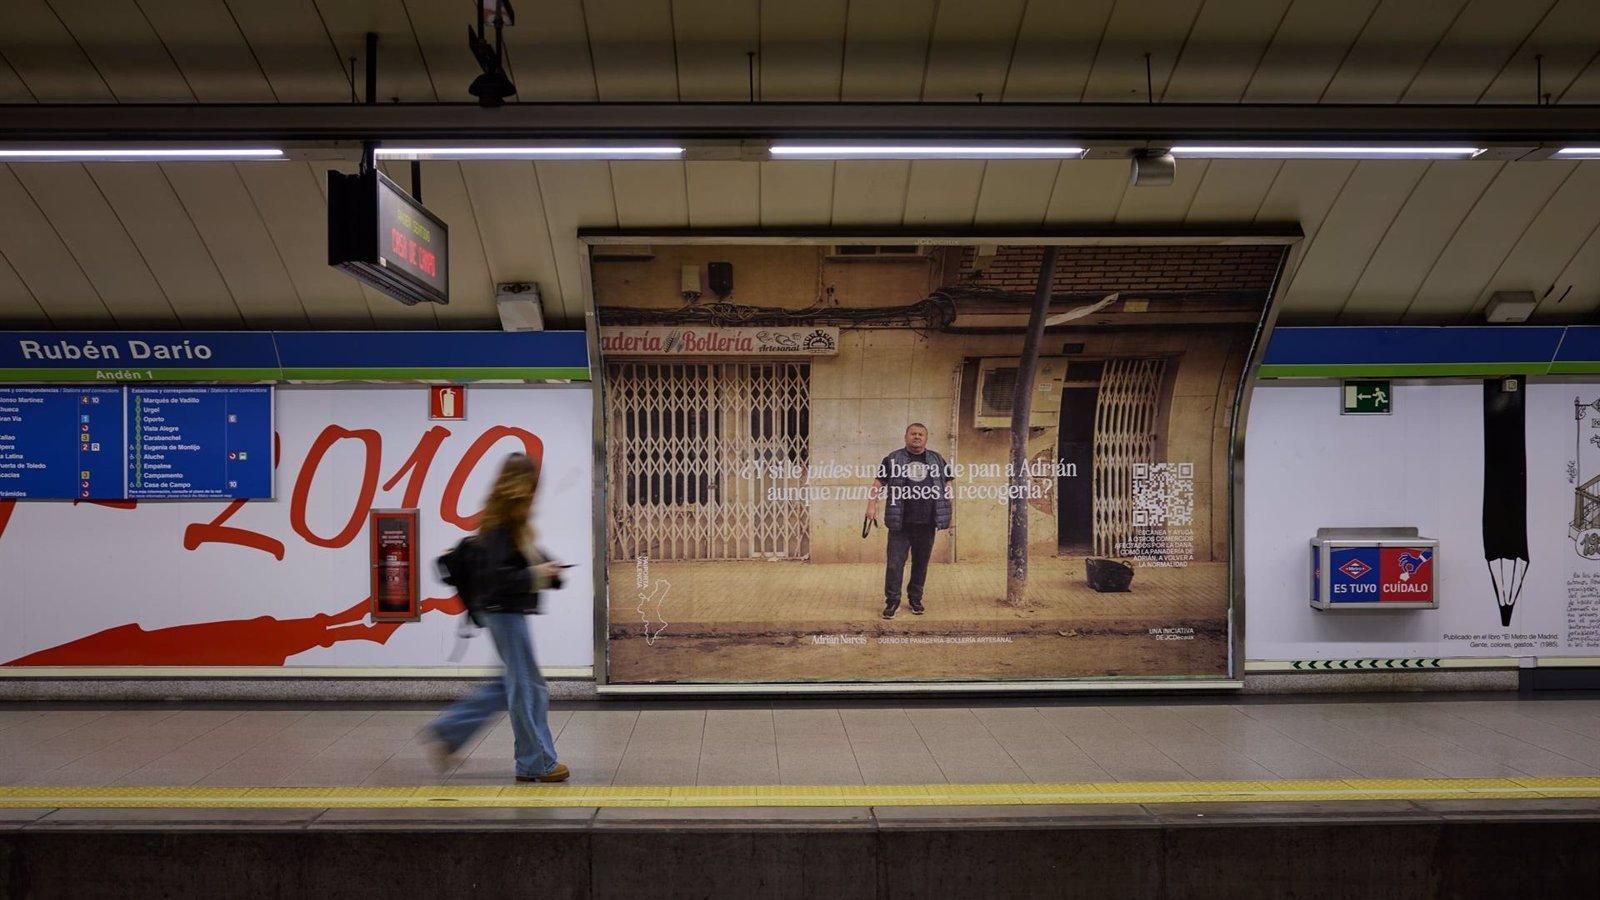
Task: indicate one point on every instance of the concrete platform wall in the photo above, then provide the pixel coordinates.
(1369, 859)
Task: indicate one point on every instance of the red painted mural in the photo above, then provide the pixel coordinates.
(266, 640)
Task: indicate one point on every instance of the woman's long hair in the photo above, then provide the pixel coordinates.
(511, 499)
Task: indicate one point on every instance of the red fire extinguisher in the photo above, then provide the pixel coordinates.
(396, 578)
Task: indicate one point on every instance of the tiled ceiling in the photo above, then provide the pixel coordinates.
(224, 245)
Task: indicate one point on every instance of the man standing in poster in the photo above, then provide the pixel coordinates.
(918, 483)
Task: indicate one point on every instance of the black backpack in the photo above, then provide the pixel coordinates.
(459, 568)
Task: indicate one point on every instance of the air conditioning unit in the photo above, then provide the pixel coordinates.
(620, 252)
(878, 252)
(997, 392)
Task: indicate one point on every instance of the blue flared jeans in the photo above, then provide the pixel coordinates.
(520, 690)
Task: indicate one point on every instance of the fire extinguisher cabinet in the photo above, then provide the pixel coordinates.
(1373, 569)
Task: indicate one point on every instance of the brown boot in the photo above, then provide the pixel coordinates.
(559, 773)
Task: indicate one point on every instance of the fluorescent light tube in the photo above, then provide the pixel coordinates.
(525, 152)
(1579, 153)
(925, 151)
(1240, 151)
(141, 154)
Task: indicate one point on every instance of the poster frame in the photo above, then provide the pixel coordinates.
(1288, 235)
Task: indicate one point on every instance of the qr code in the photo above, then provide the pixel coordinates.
(1163, 495)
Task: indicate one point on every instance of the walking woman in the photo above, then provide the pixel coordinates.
(508, 574)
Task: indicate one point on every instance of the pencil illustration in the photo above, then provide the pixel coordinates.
(1505, 490)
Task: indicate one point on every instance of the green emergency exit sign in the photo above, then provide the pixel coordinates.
(1367, 398)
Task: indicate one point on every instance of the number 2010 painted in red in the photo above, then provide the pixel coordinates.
(415, 469)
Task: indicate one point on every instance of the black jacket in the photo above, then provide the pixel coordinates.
(502, 580)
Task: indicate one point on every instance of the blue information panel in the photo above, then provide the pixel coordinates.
(199, 443)
(61, 443)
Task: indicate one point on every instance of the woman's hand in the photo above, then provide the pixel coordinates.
(549, 569)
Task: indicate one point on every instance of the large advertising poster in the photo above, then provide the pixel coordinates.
(810, 469)
(1504, 472)
(291, 582)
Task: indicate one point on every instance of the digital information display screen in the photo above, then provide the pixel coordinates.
(412, 240)
(387, 240)
(59, 443)
(199, 443)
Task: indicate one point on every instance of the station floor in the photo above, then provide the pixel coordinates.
(800, 762)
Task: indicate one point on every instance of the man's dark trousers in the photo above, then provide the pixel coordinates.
(916, 540)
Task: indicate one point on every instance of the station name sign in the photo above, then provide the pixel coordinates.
(137, 356)
(57, 357)
(132, 349)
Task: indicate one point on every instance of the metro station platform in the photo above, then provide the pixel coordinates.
(1345, 796)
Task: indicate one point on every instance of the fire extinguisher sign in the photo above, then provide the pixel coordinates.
(394, 566)
(447, 402)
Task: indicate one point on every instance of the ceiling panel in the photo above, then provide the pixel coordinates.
(1055, 49)
(12, 90)
(1477, 47)
(1551, 242)
(548, 55)
(36, 253)
(714, 41)
(576, 195)
(1307, 49)
(1303, 191)
(1582, 274)
(633, 49)
(870, 192)
(1566, 39)
(1087, 190)
(471, 285)
(1392, 49)
(440, 33)
(941, 192)
(169, 243)
(1137, 27)
(802, 49)
(1487, 233)
(796, 192)
(724, 194)
(1222, 52)
(972, 45)
(402, 72)
(1415, 239)
(17, 306)
(95, 236)
(1142, 204)
(290, 43)
(1363, 212)
(651, 194)
(225, 215)
(1232, 190)
(516, 240)
(1017, 191)
(124, 48)
(43, 54)
(208, 49)
(290, 201)
(1585, 88)
(886, 49)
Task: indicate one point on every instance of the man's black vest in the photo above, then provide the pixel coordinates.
(894, 516)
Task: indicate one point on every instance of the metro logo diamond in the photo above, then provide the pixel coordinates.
(1355, 568)
(1350, 567)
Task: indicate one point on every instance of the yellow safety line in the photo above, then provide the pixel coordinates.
(521, 796)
